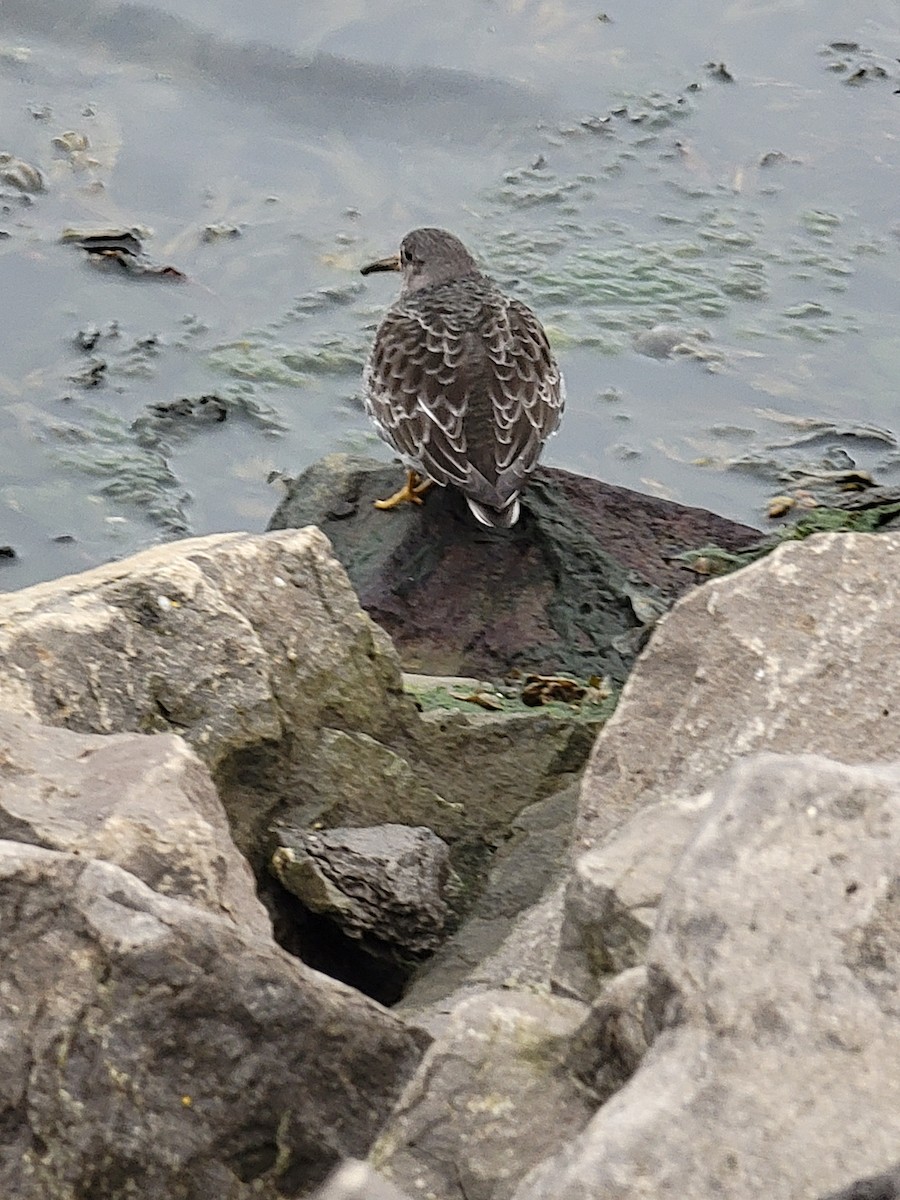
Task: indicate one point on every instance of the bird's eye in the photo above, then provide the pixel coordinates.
(405, 256)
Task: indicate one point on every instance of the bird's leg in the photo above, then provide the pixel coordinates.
(411, 492)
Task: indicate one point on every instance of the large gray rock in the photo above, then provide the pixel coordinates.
(773, 985)
(221, 639)
(788, 654)
(489, 1100)
(145, 803)
(613, 893)
(782, 656)
(245, 645)
(150, 1049)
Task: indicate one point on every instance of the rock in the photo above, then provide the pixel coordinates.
(783, 655)
(356, 1180)
(609, 1046)
(763, 659)
(880, 1187)
(353, 779)
(465, 775)
(773, 984)
(255, 650)
(613, 892)
(497, 764)
(508, 937)
(225, 639)
(573, 587)
(385, 884)
(147, 804)
(153, 1049)
(488, 1102)
(19, 174)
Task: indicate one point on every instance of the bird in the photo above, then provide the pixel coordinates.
(460, 380)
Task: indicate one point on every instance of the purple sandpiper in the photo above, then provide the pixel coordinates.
(460, 381)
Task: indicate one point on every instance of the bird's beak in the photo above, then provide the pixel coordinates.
(383, 264)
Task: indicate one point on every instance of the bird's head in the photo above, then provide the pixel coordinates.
(426, 257)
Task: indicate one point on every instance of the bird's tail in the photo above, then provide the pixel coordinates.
(496, 518)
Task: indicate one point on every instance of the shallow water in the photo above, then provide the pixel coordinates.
(599, 169)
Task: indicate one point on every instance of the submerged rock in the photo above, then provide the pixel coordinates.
(19, 174)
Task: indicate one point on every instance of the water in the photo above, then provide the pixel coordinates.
(598, 167)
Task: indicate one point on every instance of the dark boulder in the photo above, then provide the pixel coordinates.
(572, 587)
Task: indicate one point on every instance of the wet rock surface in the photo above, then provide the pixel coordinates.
(573, 586)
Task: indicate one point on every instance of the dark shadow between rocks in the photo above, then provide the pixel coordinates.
(322, 945)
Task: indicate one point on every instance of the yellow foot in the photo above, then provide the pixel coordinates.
(411, 492)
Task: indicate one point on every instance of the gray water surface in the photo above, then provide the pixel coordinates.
(599, 168)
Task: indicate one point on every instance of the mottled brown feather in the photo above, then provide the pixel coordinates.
(461, 381)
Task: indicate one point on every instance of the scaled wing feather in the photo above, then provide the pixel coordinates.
(465, 388)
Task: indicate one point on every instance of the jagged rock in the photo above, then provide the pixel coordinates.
(508, 937)
(489, 1100)
(773, 985)
(779, 656)
(609, 1046)
(788, 654)
(613, 893)
(573, 586)
(152, 1049)
(239, 643)
(147, 804)
(385, 884)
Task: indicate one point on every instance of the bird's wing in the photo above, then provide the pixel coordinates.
(472, 407)
(416, 395)
(526, 390)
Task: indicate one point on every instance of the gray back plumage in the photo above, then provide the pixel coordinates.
(461, 380)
